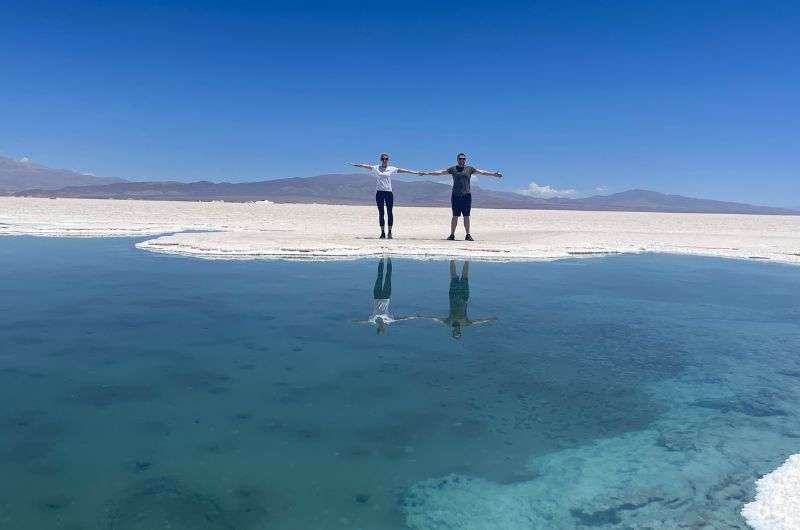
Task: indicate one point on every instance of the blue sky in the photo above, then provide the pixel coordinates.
(696, 98)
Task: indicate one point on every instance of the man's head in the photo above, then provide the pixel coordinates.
(461, 159)
(381, 329)
(384, 158)
(456, 330)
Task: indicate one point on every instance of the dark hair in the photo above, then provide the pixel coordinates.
(459, 155)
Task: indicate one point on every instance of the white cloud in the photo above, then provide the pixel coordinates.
(24, 159)
(546, 192)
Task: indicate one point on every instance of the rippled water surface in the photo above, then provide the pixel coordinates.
(144, 392)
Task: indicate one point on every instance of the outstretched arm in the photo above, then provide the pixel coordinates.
(413, 172)
(488, 173)
(432, 319)
(440, 172)
(365, 166)
(483, 320)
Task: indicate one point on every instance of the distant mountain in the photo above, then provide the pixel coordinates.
(360, 189)
(652, 201)
(325, 189)
(24, 175)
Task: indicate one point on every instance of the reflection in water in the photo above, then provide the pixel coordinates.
(459, 299)
(655, 390)
(382, 294)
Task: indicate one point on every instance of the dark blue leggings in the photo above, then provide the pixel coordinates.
(384, 198)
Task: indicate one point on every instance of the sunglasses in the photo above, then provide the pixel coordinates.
(462, 159)
(384, 158)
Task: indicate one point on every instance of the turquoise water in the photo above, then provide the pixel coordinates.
(142, 391)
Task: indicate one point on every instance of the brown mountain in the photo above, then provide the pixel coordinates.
(360, 189)
(23, 175)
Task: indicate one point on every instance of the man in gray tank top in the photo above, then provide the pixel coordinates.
(461, 198)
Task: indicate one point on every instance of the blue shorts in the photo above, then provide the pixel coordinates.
(461, 204)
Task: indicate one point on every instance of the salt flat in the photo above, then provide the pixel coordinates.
(311, 231)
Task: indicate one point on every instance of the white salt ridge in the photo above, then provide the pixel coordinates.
(777, 503)
(316, 231)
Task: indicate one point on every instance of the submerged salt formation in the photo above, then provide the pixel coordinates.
(777, 503)
(692, 467)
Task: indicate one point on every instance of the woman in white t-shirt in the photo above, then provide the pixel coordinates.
(382, 294)
(383, 194)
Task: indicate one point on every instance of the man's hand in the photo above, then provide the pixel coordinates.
(498, 174)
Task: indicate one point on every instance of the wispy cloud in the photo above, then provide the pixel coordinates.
(24, 159)
(546, 192)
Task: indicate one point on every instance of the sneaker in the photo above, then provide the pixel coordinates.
(383, 236)
(451, 237)
(389, 236)
(468, 238)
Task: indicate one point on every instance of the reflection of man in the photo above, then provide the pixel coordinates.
(459, 298)
(382, 293)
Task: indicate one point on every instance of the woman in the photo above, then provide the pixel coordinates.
(382, 294)
(383, 195)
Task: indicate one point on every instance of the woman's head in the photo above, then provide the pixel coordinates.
(384, 158)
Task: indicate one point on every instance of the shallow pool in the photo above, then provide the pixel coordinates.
(142, 391)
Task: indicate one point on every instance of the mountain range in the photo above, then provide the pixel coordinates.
(16, 175)
(24, 179)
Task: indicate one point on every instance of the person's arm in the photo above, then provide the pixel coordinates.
(488, 173)
(413, 172)
(483, 320)
(424, 317)
(365, 166)
(412, 317)
(440, 172)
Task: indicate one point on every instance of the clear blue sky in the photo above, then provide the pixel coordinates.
(698, 98)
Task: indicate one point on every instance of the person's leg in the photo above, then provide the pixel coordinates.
(376, 290)
(466, 209)
(387, 283)
(456, 212)
(389, 215)
(379, 200)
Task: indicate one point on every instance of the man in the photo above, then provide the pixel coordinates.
(461, 199)
(457, 319)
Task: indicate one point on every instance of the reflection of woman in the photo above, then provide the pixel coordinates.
(459, 299)
(382, 294)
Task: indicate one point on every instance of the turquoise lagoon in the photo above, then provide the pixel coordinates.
(143, 391)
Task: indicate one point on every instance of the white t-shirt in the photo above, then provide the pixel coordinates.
(381, 309)
(384, 177)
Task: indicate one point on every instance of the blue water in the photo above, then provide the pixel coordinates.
(144, 391)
